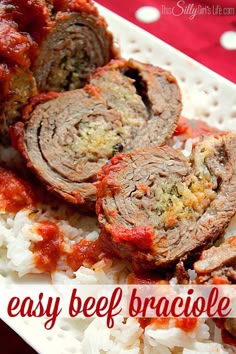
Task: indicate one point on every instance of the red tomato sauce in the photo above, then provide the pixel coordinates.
(31, 17)
(15, 193)
(144, 322)
(219, 280)
(193, 128)
(84, 252)
(75, 5)
(48, 251)
(14, 46)
(145, 279)
(142, 187)
(93, 90)
(227, 338)
(140, 237)
(186, 324)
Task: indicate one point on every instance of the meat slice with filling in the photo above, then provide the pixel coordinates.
(47, 45)
(156, 207)
(67, 140)
(218, 264)
(158, 90)
(77, 43)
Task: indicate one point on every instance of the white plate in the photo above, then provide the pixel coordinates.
(206, 95)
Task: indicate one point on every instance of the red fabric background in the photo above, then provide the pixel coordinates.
(198, 38)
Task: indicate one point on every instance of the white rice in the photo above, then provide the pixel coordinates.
(124, 337)
(185, 146)
(17, 232)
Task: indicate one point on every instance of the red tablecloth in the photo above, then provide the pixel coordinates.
(205, 36)
(208, 38)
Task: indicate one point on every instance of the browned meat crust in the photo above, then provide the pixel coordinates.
(157, 208)
(67, 140)
(47, 45)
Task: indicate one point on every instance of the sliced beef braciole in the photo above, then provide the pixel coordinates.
(218, 264)
(67, 140)
(76, 44)
(47, 45)
(158, 90)
(157, 207)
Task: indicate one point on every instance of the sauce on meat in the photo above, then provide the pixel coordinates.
(227, 338)
(14, 46)
(15, 193)
(75, 5)
(140, 237)
(31, 17)
(146, 279)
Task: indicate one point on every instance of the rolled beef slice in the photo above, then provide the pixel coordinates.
(218, 264)
(157, 208)
(44, 46)
(77, 43)
(158, 90)
(67, 140)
